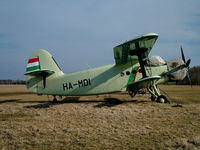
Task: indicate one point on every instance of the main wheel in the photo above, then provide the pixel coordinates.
(132, 93)
(162, 99)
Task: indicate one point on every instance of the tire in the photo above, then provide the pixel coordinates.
(162, 99)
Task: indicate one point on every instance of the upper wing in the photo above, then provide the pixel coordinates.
(129, 50)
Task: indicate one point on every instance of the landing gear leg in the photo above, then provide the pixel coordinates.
(54, 99)
(155, 94)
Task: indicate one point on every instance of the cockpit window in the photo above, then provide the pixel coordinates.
(155, 61)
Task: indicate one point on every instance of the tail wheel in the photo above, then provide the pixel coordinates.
(54, 99)
(162, 99)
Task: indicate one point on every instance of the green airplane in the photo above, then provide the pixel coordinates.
(133, 71)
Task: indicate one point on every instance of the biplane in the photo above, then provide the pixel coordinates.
(133, 71)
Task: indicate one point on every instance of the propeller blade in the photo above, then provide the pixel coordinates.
(183, 57)
(188, 63)
(175, 69)
(189, 78)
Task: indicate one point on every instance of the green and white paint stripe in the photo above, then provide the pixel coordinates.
(33, 64)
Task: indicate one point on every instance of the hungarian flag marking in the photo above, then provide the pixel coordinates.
(33, 64)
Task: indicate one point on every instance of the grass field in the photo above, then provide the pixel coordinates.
(116, 121)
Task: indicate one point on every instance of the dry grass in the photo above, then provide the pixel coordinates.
(183, 94)
(28, 121)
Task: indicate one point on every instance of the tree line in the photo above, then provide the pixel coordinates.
(12, 82)
(194, 74)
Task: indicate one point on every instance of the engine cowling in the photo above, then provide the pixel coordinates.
(179, 74)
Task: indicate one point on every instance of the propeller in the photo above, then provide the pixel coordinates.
(186, 65)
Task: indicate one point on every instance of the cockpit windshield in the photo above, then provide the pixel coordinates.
(155, 61)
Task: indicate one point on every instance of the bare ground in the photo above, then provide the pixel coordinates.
(116, 121)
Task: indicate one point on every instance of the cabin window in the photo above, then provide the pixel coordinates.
(127, 73)
(121, 74)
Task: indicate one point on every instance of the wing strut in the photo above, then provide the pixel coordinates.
(140, 59)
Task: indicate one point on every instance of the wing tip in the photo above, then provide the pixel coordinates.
(150, 34)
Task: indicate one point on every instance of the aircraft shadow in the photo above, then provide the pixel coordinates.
(9, 101)
(111, 102)
(107, 102)
(43, 105)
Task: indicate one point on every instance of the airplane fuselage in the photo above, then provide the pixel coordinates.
(101, 80)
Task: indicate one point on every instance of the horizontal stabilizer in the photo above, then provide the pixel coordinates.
(39, 72)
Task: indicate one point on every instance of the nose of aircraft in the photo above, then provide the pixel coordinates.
(179, 68)
(176, 72)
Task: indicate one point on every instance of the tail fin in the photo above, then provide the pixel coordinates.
(41, 61)
(40, 66)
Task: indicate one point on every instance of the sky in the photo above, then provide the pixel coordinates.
(82, 33)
